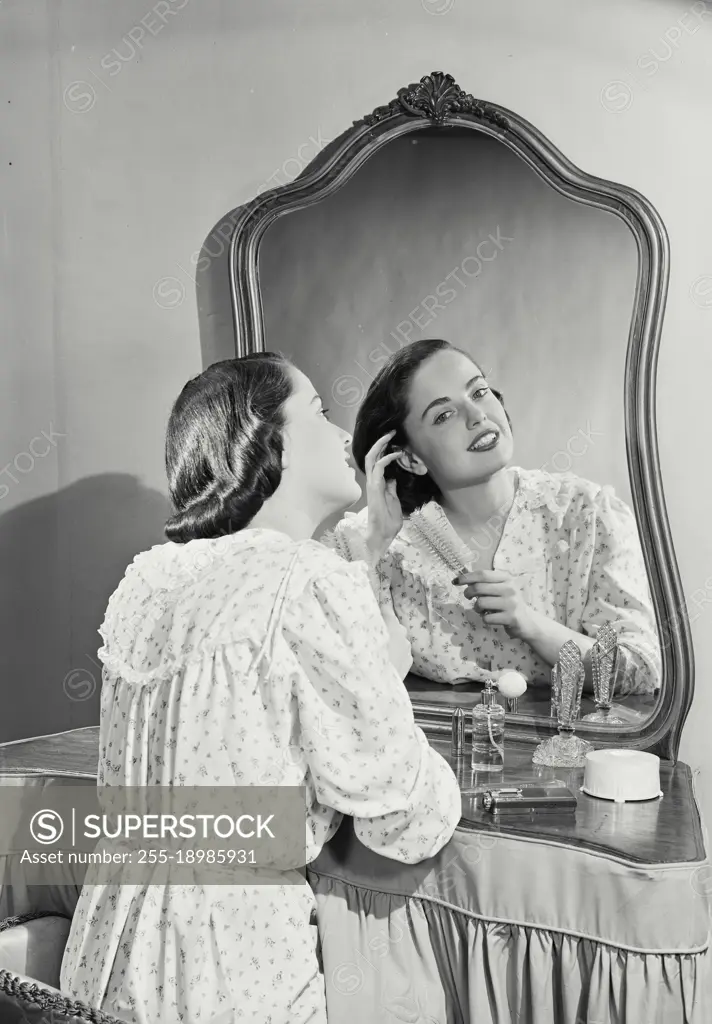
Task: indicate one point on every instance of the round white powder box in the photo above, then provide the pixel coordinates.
(622, 775)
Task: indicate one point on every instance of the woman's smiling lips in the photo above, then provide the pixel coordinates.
(485, 441)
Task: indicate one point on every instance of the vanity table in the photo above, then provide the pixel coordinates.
(603, 918)
(599, 918)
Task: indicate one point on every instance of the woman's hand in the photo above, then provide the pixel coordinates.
(497, 598)
(385, 516)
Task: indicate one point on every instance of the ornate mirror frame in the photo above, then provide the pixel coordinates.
(438, 102)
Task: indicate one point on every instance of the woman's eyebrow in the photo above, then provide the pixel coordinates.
(445, 399)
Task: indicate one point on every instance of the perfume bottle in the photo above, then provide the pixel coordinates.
(488, 732)
(565, 750)
(604, 659)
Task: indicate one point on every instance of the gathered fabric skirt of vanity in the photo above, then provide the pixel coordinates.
(499, 928)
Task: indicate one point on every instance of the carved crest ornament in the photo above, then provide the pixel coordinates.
(436, 97)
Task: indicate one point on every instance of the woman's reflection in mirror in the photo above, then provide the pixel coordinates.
(489, 566)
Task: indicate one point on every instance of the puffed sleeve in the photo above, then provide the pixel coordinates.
(366, 756)
(618, 592)
(348, 539)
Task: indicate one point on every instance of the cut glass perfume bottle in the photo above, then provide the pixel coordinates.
(604, 658)
(566, 750)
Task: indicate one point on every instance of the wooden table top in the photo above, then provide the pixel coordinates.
(663, 831)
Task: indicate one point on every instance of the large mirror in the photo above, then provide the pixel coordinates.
(442, 218)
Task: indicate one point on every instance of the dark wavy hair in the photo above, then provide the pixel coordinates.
(385, 408)
(224, 445)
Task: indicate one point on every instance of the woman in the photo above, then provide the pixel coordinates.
(495, 567)
(243, 653)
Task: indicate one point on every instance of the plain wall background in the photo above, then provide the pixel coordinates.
(392, 257)
(119, 156)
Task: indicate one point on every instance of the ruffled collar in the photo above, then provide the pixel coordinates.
(429, 526)
(539, 489)
(535, 489)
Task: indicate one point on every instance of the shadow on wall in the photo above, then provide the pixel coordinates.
(62, 556)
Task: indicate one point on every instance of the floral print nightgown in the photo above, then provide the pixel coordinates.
(248, 660)
(575, 550)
